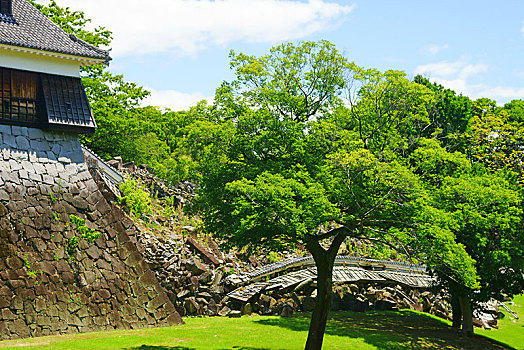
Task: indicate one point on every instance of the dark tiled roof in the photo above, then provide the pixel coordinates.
(30, 28)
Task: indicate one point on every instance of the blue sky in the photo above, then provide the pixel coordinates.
(179, 48)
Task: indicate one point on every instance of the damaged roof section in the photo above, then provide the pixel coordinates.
(281, 275)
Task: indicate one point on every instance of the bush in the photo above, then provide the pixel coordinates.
(136, 200)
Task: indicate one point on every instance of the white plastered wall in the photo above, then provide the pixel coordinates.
(39, 61)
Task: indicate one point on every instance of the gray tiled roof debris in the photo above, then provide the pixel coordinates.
(29, 28)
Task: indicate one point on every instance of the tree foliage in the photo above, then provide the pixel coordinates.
(497, 141)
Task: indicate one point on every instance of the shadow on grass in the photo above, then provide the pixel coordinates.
(392, 330)
(151, 347)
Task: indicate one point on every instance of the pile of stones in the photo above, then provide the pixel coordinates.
(352, 297)
(192, 285)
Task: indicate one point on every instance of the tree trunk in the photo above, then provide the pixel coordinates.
(324, 260)
(457, 312)
(317, 327)
(467, 316)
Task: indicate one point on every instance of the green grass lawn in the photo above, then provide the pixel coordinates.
(373, 330)
(510, 331)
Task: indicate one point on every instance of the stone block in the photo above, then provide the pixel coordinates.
(14, 165)
(39, 168)
(23, 174)
(51, 157)
(158, 301)
(51, 170)
(19, 131)
(192, 307)
(22, 143)
(40, 305)
(93, 252)
(19, 327)
(56, 149)
(14, 178)
(4, 167)
(35, 134)
(148, 278)
(202, 252)
(35, 177)
(9, 140)
(196, 267)
(3, 195)
(7, 315)
(64, 160)
(76, 156)
(14, 263)
(5, 129)
(39, 146)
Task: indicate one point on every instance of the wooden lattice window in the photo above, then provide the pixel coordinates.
(5, 7)
(66, 101)
(19, 94)
(44, 101)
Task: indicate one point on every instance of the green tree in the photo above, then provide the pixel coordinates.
(515, 110)
(389, 112)
(488, 220)
(449, 115)
(482, 213)
(496, 141)
(293, 165)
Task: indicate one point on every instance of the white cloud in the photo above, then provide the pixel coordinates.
(433, 49)
(472, 70)
(522, 29)
(455, 75)
(459, 75)
(503, 93)
(443, 68)
(185, 27)
(519, 73)
(174, 100)
(447, 69)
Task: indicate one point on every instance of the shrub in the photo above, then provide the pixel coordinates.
(135, 199)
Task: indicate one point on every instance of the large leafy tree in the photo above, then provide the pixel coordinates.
(515, 110)
(488, 216)
(482, 213)
(294, 165)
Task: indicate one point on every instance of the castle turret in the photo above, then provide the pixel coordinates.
(40, 83)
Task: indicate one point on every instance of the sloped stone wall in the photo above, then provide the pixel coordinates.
(44, 288)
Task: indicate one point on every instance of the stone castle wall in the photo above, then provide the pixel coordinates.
(44, 288)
